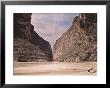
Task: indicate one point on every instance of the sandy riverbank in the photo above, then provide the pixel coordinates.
(54, 68)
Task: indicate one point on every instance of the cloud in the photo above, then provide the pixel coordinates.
(51, 26)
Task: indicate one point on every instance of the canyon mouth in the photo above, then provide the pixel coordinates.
(76, 45)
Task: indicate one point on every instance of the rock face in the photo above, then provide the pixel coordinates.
(79, 43)
(28, 45)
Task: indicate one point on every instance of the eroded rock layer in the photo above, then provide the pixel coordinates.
(28, 45)
(79, 43)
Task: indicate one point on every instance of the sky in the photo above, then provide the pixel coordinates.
(50, 26)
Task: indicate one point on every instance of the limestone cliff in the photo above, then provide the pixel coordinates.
(79, 43)
(28, 45)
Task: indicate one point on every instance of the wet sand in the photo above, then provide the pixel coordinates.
(54, 68)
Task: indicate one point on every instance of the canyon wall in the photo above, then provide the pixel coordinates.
(28, 45)
(79, 43)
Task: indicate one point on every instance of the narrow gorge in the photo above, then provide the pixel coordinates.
(78, 43)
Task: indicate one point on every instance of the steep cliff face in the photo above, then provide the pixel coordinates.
(79, 43)
(28, 45)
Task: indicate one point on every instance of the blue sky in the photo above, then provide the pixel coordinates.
(51, 26)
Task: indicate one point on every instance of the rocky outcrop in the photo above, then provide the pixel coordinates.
(79, 43)
(28, 45)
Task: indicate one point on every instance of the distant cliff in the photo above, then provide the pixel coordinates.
(28, 45)
(79, 43)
